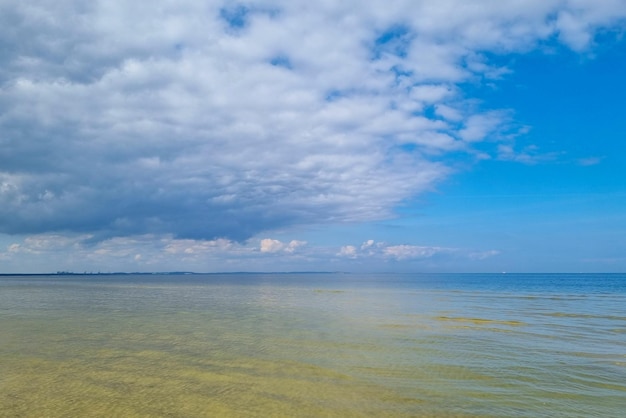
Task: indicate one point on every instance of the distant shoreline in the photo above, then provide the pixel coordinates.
(168, 273)
(191, 273)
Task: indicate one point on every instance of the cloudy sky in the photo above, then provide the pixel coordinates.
(417, 135)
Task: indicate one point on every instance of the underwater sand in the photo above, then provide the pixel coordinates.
(311, 346)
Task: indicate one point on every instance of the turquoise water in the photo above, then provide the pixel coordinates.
(313, 345)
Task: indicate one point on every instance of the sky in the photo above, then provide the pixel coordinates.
(369, 136)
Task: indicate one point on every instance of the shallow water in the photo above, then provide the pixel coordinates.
(313, 345)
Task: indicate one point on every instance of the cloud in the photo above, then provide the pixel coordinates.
(294, 245)
(268, 245)
(271, 245)
(348, 251)
(187, 246)
(208, 120)
(146, 253)
(478, 127)
(589, 161)
(367, 244)
(527, 155)
(50, 252)
(379, 250)
(402, 252)
(376, 250)
(41, 244)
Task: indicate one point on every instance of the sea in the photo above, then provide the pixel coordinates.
(313, 345)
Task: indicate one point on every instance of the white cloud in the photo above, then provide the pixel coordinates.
(479, 127)
(403, 252)
(527, 155)
(189, 246)
(448, 112)
(380, 251)
(47, 253)
(367, 244)
(38, 244)
(294, 245)
(268, 245)
(371, 249)
(348, 251)
(271, 245)
(151, 253)
(14, 248)
(178, 119)
(431, 93)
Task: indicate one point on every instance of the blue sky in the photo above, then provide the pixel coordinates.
(280, 136)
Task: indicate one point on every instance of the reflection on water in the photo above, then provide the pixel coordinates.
(308, 345)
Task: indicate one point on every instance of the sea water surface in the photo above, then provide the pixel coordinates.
(312, 345)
